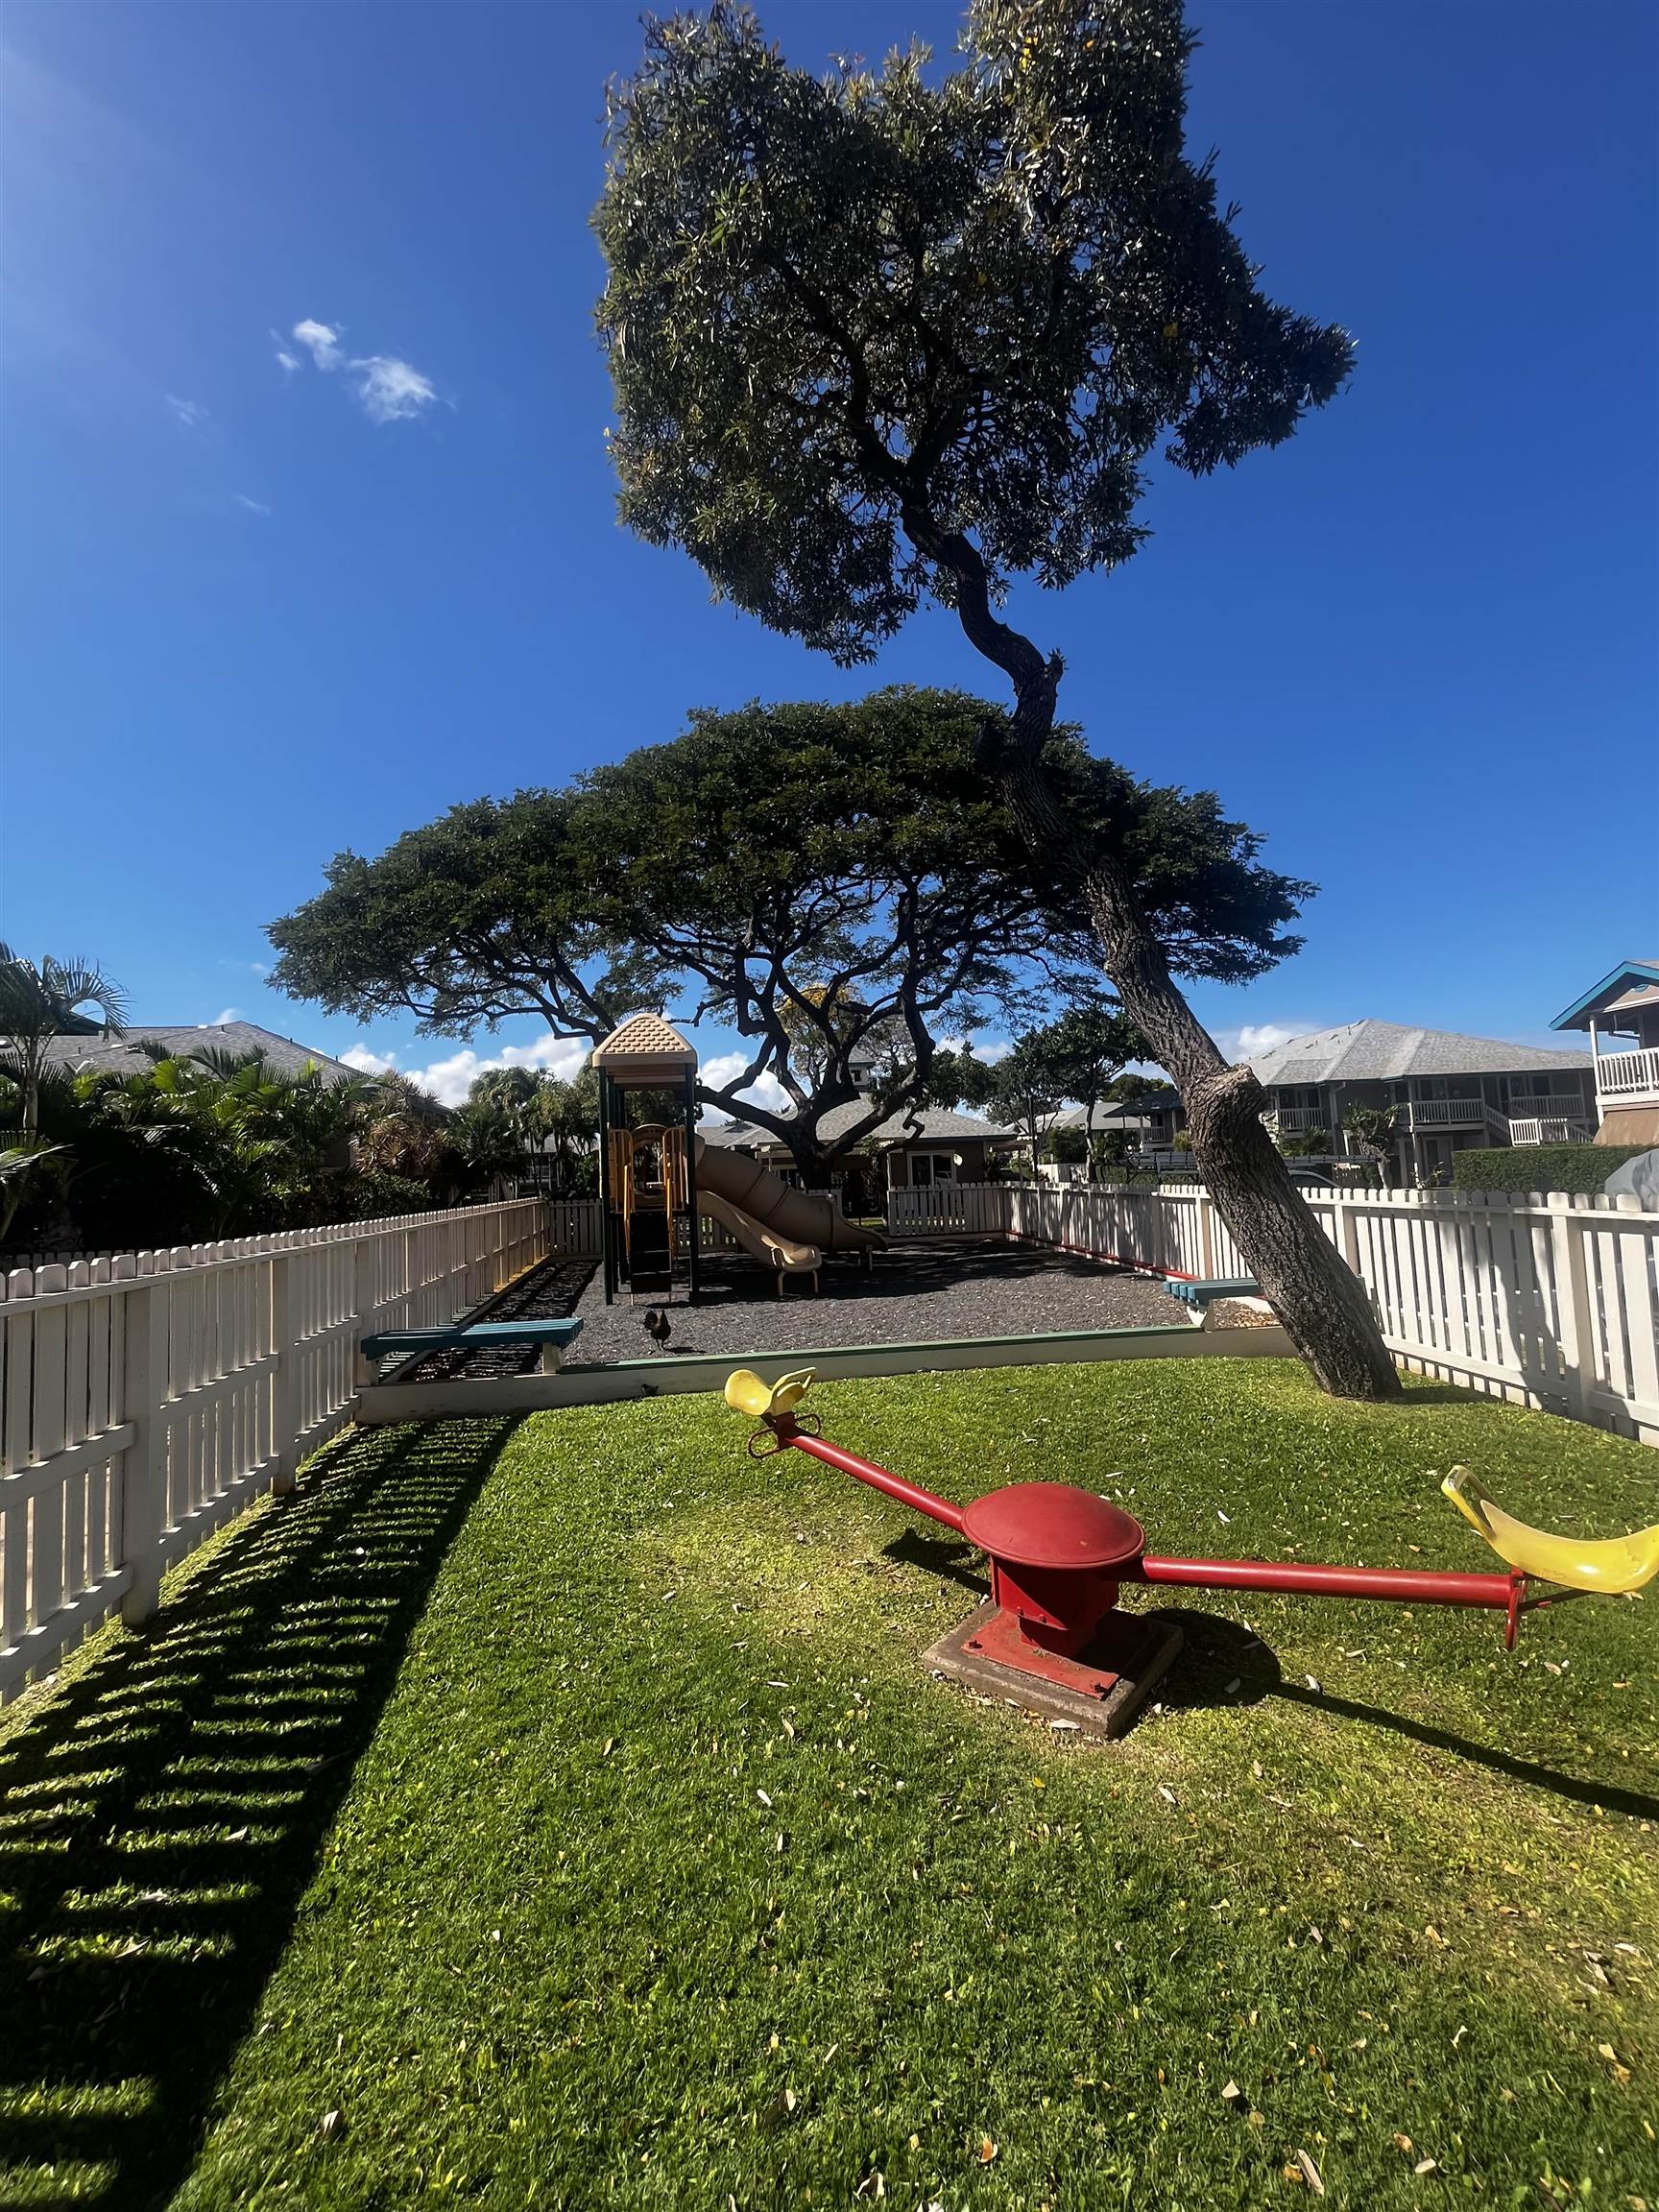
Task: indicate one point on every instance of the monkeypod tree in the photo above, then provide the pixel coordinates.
(465, 921)
(878, 338)
(841, 885)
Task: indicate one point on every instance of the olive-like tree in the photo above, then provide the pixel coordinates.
(882, 338)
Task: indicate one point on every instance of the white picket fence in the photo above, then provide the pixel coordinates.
(1544, 1300)
(145, 1400)
(572, 1227)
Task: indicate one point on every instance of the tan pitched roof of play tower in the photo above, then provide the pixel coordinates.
(642, 1044)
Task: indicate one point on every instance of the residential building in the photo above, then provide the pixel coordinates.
(910, 1150)
(1448, 1092)
(1622, 1016)
(95, 1053)
(1150, 1118)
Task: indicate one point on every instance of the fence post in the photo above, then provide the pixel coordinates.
(1348, 1232)
(1573, 1314)
(144, 1476)
(364, 1308)
(284, 1380)
(1206, 1235)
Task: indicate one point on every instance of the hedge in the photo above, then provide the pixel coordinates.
(1571, 1167)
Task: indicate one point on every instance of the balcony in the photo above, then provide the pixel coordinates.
(1547, 1129)
(1424, 1113)
(1628, 1078)
(1296, 1118)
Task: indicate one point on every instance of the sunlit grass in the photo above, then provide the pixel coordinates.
(669, 1877)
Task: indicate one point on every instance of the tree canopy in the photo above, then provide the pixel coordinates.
(877, 336)
(840, 885)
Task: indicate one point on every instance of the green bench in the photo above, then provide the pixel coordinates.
(1200, 1293)
(553, 1337)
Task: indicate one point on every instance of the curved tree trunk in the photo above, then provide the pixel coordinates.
(1315, 1294)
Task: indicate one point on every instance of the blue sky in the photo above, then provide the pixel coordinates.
(256, 611)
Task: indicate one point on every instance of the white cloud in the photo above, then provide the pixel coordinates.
(319, 340)
(253, 506)
(286, 361)
(367, 1062)
(186, 413)
(391, 391)
(448, 1080)
(231, 1014)
(387, 389)
(726, 1067)
(1253, 1037)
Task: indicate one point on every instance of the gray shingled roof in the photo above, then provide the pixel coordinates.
(121, 1056)
(1115, 1112)
(937, 1125)
(1385, 1051)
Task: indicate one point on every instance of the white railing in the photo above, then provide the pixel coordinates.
(1628, 1074)
(1549, 1301)
(965, 1208)
(1446, 1114)
(147, 1399)
(1537, 1129)
(1297, 1117)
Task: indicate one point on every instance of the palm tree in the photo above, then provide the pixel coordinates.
(38, 1004)
(25, 1163)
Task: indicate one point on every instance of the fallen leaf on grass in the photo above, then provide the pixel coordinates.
(1311, 2173)
(329, 2126)
(764, 1800)
(1231, 2092)
(987, 2150)
(610, 1746)
(1425, 2166)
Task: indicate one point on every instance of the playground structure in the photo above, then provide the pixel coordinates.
(1051, 1631)
(659, 1180)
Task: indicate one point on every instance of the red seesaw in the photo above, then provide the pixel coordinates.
(1059, 1557)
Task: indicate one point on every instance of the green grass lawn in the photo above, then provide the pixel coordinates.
(559, 1815)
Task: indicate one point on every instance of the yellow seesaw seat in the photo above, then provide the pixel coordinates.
(746, 1393)
(1612, 1566)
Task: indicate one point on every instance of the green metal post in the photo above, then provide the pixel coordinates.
(605, 1233)
(695, 1255)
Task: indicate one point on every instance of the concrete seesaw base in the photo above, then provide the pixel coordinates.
(1098, 1692)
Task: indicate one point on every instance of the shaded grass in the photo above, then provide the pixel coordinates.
(669, 1879)
(161, 1816)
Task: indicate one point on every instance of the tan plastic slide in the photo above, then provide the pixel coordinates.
(775, 1219)
(778, 1253)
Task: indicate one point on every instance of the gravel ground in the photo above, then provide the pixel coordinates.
(914, 1294)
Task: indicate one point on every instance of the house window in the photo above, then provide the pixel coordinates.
(928, 1168)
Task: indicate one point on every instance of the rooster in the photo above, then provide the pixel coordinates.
(657, 1324)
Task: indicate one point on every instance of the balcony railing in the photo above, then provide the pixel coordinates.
(1446, 1114)
(1297, 1117)
(1547, 1129)
(1628, 1075)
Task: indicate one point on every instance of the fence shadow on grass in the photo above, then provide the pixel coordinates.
(161, 1817)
